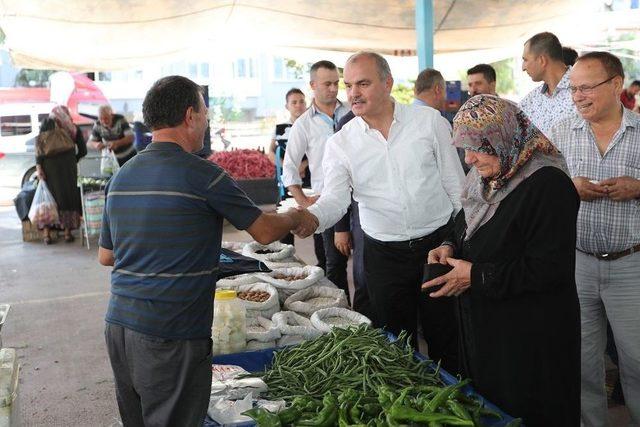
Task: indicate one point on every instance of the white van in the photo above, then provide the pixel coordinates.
(20, 123)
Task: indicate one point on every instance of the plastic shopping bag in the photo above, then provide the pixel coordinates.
(44, 210)
(109, 163)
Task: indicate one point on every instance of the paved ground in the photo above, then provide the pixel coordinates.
(58, 295)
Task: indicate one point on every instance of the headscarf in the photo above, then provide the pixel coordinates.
(496, 126)
(62, 116)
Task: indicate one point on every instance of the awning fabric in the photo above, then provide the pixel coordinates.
(84, 35)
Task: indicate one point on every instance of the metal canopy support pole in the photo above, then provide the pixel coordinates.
(424, 33)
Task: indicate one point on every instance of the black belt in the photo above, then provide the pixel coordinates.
(433, 237)
(611, 256)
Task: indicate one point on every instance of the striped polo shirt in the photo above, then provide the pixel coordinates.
(163, 220)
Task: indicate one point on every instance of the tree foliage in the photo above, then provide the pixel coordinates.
(33, 78)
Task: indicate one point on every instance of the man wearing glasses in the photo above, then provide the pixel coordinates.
(602, 147)
(550, 102)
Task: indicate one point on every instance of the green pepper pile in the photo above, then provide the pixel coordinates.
(356, 377)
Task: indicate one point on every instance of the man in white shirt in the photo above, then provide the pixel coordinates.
(550, 102)
(308, 136)
(405, 174)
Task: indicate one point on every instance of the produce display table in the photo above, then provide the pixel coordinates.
(259, 360)
(256, 361)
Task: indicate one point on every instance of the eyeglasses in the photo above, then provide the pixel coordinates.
(587, 90)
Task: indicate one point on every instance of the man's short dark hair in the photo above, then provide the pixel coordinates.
(546, 44)
(322, 64)
(635, 83)
(609, 61)
(427, 79)
(292, 91)
(569, 55)
(166, 103)
(486, 70)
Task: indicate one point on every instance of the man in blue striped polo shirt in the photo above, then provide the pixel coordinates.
(162, 230)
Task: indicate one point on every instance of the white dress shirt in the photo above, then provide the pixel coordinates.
(308, 136)
(407, 186)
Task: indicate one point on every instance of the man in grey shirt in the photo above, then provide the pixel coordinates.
(602, 147)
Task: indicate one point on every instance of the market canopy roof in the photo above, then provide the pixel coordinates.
(88, 35)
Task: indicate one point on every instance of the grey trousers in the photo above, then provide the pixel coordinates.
(609, 289)
(159, 382)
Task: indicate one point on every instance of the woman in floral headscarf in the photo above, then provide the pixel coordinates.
(513, 257)
(59, 169)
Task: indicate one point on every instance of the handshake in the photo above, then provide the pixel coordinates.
(304, 222)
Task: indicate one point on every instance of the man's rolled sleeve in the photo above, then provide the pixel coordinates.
(296, 148)
(336, 195)
(226, 198)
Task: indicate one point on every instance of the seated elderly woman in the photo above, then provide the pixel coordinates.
(512, 250)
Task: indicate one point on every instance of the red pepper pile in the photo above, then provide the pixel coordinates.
(244, 164)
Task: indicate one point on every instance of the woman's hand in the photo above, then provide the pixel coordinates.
(439, 255)
(455, 282)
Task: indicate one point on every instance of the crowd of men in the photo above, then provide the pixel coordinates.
(398, 161)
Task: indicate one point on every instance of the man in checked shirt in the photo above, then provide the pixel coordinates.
(601, 144)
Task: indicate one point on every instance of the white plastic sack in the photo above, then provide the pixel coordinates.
(308, 274)
(261, 330)
(289, 340)
(275, 251)
(234, 246)
(290, 323)
(289, 262)
(263, 309)
(326, 319)
(314, 298)
(233, 282)
(258, 345)
(44, 209)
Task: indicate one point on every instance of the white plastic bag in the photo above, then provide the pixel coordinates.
(275, 251)
(259, 308)
(294, 328)
(262, 329)
(326, 319)
(44, 210)
(108, 163)
(292, 279)
(226, 384)
(233, 282)
(314, 298)
(234, 246)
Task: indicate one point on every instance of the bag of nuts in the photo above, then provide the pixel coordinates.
(260, 299)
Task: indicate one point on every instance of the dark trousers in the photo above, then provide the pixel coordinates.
(393, 272)
(440, 331)
(361, 301)
(159, 382)
(336, 270)
(318, 249)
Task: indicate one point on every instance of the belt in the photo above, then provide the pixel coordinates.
(435, 237)
(405, 244)
(611, 256)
